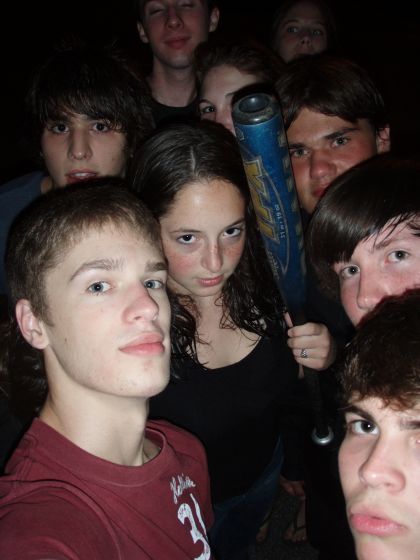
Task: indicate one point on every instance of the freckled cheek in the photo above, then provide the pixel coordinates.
(233, 254)
(180, 265)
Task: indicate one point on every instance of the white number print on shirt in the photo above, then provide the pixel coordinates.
(180, 487)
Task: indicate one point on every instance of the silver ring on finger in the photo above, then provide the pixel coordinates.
(304, 353)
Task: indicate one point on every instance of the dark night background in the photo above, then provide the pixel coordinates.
(385, 39)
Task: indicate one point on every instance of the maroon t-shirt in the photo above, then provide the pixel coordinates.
(58, 501)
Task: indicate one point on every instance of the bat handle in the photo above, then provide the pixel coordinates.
(322, 433)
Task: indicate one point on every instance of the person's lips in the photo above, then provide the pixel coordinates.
(147, 344)
(209, 282)
(319, 191)
(78, 175)
(374, 523)
(177, 42)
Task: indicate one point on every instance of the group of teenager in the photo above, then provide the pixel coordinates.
(143, 314)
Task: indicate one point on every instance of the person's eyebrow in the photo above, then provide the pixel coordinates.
(156, 266)
(299, 19)
(410, 424)
(191, 230)
(98, 264)
(341, 132)
(353, 408)
(115, 264)
(391, 238)
(410, 419)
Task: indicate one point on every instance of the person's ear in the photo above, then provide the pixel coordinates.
(32, 328)
(142, 33)
(383, 140)
(214, 19)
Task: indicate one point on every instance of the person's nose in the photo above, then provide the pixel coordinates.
(371, 290)
(305, 36)
(213, 257)
(381, 467)
(173, 19)
(224, 117)
(79, 145)
(140, 305)
(321, 166)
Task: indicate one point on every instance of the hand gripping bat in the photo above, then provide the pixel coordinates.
(265, 155)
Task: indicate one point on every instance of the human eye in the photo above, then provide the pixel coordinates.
(341, 141)
(186, 239)
(398, 255)
(58, 127)
(99, 287)
(298, 152)
(361, 426)
(292, 29)
(349, 271)
(234, 231)
(101, 126)
(317, 32)
(207, 109)
(154, 284)
(153, 8)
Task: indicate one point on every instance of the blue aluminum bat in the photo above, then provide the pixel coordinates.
(263, 144)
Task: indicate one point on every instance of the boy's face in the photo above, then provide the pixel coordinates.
(381, 266)
(323, 147)
(108, 316)
(174, 28)
(78, 148)
(380, 474)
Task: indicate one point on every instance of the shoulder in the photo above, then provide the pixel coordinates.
(15, 195)
(44, 519)
(180, 440)
(30, 181)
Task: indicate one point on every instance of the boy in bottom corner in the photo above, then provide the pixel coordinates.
(380, 455)
(92, 477)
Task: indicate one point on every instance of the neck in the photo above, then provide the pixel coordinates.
(109, 427)
(173, 87)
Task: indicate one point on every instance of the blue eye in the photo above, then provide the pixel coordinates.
(154, 284)
(99, 287)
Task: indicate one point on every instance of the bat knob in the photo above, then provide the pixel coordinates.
(324, 439)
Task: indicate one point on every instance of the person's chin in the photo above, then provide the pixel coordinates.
(374, 548)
